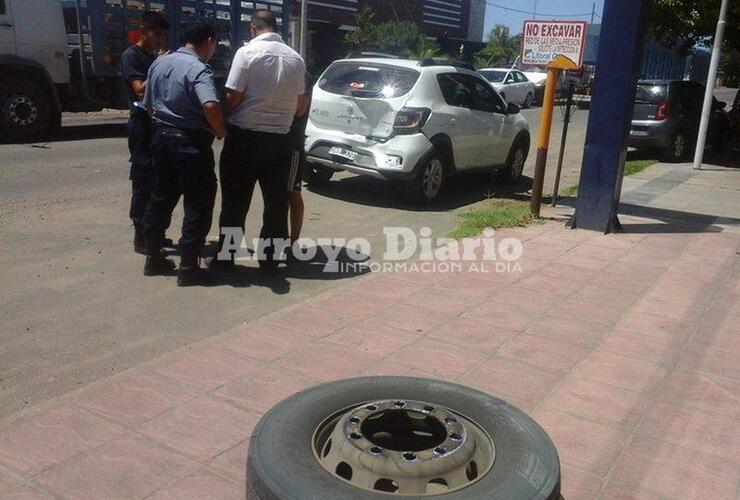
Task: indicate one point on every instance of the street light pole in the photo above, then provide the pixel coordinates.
(303, 48)
(535, 10)
(709, 92)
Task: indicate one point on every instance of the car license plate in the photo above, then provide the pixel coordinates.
(344, 153)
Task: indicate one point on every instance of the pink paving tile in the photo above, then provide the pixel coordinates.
(439, 303)
(41, 441)
(526, 300)
(559, 286)
(717, 339)
(666, 308)
(310, 321)
(581, 443)
(266, 343)
(473, 334)
(264, 389)
(500, 314)
(588, 261)
(619, 371)
(705, 392)
(658, 469)
(660, 350)
(207, 368)
(649, 324)
(356, 303)
(201, 428)
(506, 378)
(691, 428)
(445, 359)
(25, 492)
(135, 398)
(720, 363)
(549, 355)
(568, 271)
(412, 318)
(125, 468)
(605, 296)
(466, 286)
(326, 361)
(388, 287)
(232, 462)
(568, 330)
(578, 485)
(618, 491)
(202, 485)
(7, 481)
(628, 283)
(643, 269)
(390, 368)
(686, 291)
(372, 337)
(588, 312)
(598, 402)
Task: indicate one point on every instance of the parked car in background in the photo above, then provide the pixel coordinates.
(413, 122)
(666, 117)
(511, 84)
(538, 76)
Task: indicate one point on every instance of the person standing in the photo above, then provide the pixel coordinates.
(296, 207)
(182, 100)
(263, 93)
(135, 64)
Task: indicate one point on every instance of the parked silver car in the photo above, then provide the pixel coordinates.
(512, 84)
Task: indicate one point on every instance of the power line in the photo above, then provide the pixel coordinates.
(504, 7)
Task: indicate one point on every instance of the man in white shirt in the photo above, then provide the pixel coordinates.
(264, 90)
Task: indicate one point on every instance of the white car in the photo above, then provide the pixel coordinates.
(415, 122)
(512, 84)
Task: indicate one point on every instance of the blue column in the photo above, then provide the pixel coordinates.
(612, 100)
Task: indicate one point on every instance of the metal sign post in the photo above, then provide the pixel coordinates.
(558, 172)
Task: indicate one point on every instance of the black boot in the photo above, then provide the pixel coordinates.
(191, 274)
(139, 239)
(156, 263)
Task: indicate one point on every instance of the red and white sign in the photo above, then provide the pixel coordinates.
(542, 41)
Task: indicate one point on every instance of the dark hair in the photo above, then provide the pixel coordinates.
(198, 32)
(151, 20)
(264, 19)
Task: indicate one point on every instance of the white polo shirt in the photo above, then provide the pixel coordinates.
(272, 76)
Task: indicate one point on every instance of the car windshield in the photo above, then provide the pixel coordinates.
(361, 79)
(650, 93)
(493, 75)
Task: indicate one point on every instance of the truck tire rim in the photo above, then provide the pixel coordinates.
(432, 179)
(403, 447)
(518, 163)
(21, 110)
(679, 144)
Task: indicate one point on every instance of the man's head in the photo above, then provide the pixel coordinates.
(263, 21)
(201, 36)
(153, 31)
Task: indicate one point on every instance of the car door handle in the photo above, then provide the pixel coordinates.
(453, 120)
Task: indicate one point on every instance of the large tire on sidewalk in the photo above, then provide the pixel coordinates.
(283, 458)
(26, 112)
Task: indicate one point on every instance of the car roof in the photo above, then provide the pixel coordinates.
(427, 64)
(498, 69)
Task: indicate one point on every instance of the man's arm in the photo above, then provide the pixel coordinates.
(233, 99)
(138, 87)
(302, 108)
(215, 118)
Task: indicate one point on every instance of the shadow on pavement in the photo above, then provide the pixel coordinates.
(674, 221)
(79, 133)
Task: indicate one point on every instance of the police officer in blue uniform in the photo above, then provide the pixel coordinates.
(182, 100)
(135, 64)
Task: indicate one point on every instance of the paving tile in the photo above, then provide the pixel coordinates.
(207, 368)
(666, 308)
(588, 312)
(658, 469)
(720, 363)
(509, 316)
(543, 353)
(505, 378)
(202, 485)
(464, 286)
(560, 286)
(201, 428)
(587, 261)
(605, 296)
(357, 303)
(412, 318)
(581, 443)
(473, 334)
(266, 343)
(598, 402)
(372, 337)
(704, 391)
(310, 321)
(643, 269)
(444, 359)
(233, 462)
(390, 368)
(327, 361)
(388, 287)
(707, 338)
(619, 371)
(263, 389)
(568, 330)
(136, 398)
(527, 301)
(41, 441)
(634, 283)
(125, 468)
(654, 349)
(26, 492)
(438, 303)
(578, 485)
(7, 481)
(691, 428)
(649, 324)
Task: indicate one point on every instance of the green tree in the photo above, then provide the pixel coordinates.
(692, 22)
(364, 36)
(501, 48)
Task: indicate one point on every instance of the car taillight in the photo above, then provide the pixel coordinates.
(410, 120)
(662, 112)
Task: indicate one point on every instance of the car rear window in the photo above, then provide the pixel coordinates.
(368, 80)
(494, 76)
(649, 93)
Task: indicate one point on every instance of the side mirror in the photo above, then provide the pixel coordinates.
(512, 109)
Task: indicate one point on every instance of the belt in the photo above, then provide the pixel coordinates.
(198, 136)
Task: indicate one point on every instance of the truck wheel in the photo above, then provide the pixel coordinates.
(364, 438)
(316, 175)
(428, 179)
(25, 110)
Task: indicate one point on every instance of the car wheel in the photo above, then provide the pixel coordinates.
(678, 149)
(25, 110)
(514, 165)
(316, 175)
(427, 182)
(363, 438)
(528, 101)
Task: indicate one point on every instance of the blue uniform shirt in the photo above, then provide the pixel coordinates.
(178, 85)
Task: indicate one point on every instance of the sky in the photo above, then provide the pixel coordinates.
(546, 9)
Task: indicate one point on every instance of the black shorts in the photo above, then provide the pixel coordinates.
(295, 180)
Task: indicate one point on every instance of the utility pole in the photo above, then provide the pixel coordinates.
(709, 92)
(303, 48)
(535, 10)
(593, 12)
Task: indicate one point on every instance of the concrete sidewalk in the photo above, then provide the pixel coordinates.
(625, 348)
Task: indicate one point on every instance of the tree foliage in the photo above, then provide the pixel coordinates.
(692, 22)
(501, 48)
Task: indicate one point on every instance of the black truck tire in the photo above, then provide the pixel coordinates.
(26, 112)
(281, 464)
